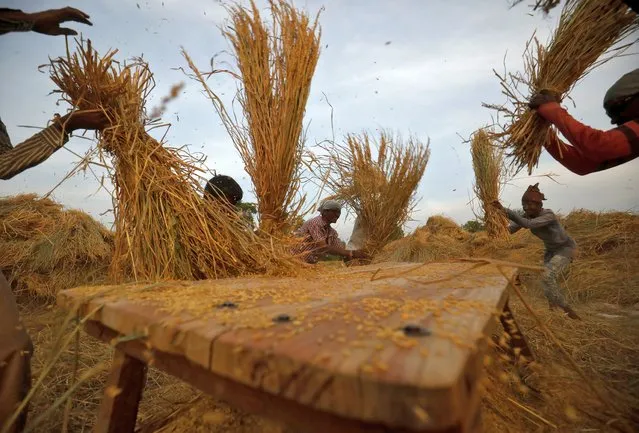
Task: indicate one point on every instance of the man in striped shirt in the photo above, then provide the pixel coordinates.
(37, 148)
(319, 238)
(14, 160)
(15, 344)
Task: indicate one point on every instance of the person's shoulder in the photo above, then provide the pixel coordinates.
(314, 220)
(548, 213)
(310, 222)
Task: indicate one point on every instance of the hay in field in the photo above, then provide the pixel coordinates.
(48, 328)
(603, 286)
(489, 178)
(584, 39)
(603, 269)
(600, 345)
(608, 251)
(164, 227)
(440, 239)
(276, 65)
(603, 346)
(378, 180)
(440, 224)
(45, 248)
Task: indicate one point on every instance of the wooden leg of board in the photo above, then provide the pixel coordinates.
(119, 406)
(300, 418)
(519, 349)
(517, 339)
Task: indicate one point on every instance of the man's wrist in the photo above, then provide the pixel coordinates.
(64, 123)
(22, 21)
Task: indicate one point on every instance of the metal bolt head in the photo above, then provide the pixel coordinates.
(227, 304)
(282, 318)
(414, 330)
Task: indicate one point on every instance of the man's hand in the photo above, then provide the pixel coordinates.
(84, 119)
(48, 22)
(497, 205)
(359, 254)
(543, 97)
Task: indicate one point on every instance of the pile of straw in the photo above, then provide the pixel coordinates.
(608, 249)
(164, 228)
(439, 239)
(45, 249)
(489, 177)
(600, 345)
(379, 188)
(276, 67)
(583, 40)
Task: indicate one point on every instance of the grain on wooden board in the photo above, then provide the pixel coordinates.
(319, 299)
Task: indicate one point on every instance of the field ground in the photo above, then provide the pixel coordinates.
(603, 286)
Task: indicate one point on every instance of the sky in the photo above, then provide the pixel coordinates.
(411, 66)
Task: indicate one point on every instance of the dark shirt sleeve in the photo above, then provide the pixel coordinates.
(514, 227)
(531, 223)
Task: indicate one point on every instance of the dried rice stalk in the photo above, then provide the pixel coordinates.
(164, 228)
(489, 176)
(276, 66)
(583, 40)
(381, 189)
(544, 5)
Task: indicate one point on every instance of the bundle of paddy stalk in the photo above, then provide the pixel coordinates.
(380, 189)
(585, 38)
(276, 66)
(489, 176)
(164, 227)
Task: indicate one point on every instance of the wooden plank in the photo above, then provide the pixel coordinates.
(119, 406)
(277, 364)
(288, 359)
(304, 419)
(200, 340)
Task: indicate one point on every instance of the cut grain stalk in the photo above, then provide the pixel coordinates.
(276, 65)
(489, 178)
(164, 228)
(379, 188)
(584, 39)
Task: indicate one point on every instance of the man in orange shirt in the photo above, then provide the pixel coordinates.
(590, 149)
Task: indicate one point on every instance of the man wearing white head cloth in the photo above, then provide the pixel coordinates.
(319, 238)
(590, 149)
